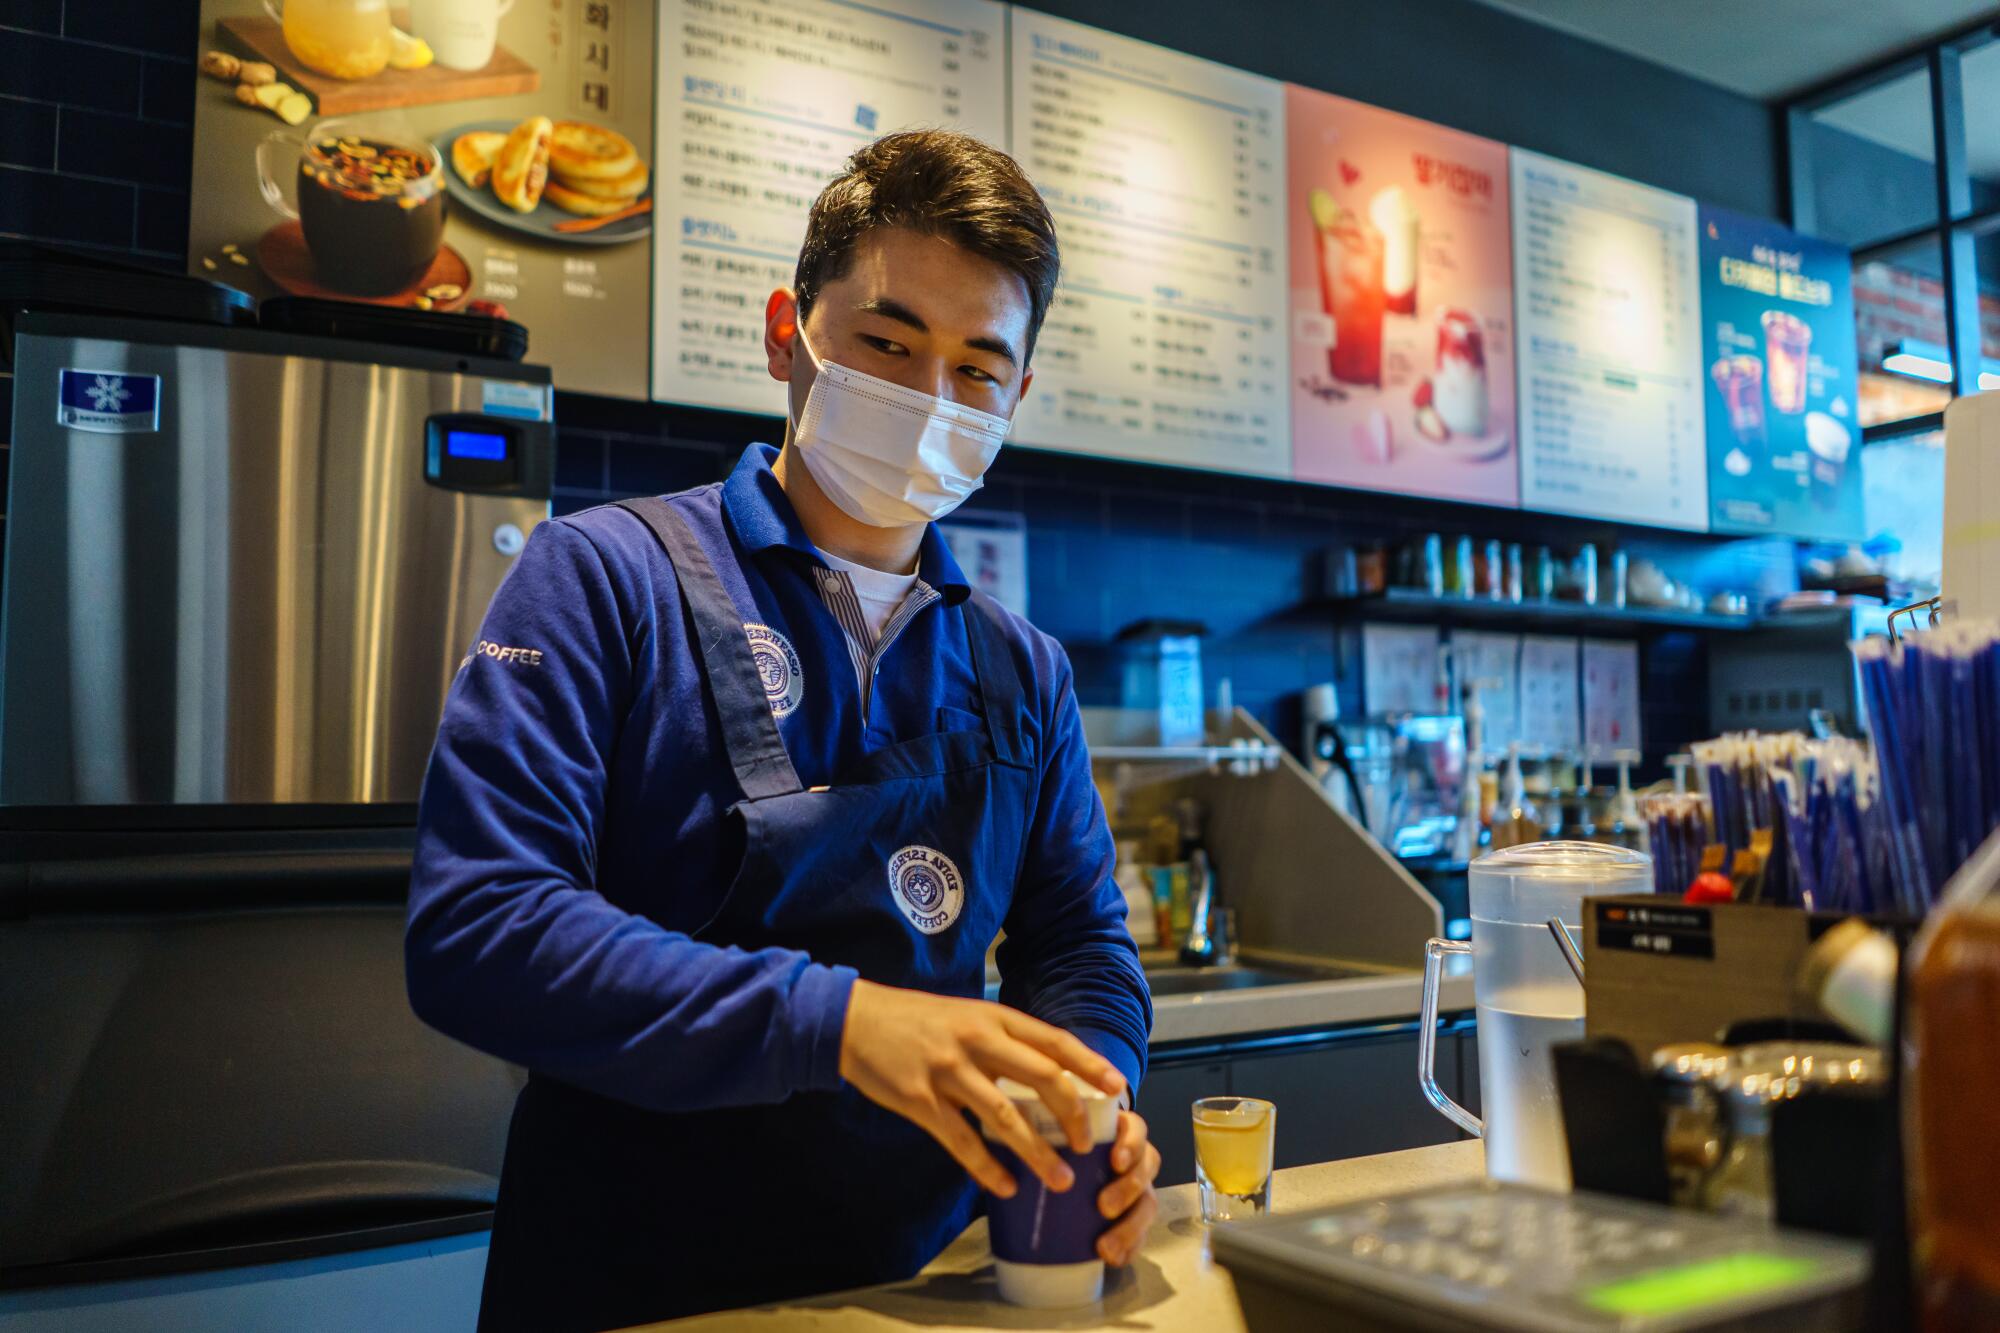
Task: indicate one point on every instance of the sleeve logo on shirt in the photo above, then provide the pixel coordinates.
(927, 888)
(502, 653)
(778, 667)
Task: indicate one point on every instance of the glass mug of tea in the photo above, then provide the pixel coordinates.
(348, 39)
(369, 196)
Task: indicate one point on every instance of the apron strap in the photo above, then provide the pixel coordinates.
(999, 684)
(749, 732)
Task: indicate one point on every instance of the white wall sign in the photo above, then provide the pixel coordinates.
(1606, 297)
(759, 104)
(1166, 176)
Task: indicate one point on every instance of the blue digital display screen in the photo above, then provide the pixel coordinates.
(475, 444)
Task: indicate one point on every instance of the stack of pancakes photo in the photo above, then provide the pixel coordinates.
(578, 167)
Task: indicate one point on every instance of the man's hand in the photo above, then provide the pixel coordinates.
(1129, 1197)
(928, 1057)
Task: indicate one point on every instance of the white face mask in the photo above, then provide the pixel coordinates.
(887, 455)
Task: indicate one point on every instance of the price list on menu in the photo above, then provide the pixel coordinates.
(1606, 290)
(1165, 174)
(759, 104)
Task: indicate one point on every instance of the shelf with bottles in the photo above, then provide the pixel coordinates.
(1416, 604)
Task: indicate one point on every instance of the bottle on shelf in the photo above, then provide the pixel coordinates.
(1470, 828)
(1628, 827)
(1515, 820)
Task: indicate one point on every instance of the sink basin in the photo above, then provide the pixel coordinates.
(1183, 980)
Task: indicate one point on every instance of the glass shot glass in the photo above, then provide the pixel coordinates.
(1233, 1138)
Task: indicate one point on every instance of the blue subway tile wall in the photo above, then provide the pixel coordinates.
(1111, 543)
(96, 124)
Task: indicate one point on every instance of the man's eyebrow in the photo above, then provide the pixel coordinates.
(890, 308)
(986, 342)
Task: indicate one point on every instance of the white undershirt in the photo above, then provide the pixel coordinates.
(879, 593)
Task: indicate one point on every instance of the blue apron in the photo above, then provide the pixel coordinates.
(903, 869)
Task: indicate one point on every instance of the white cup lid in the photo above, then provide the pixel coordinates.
(1099, 1106)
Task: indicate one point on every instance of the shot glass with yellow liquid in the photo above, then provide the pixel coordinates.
(1233, 1137)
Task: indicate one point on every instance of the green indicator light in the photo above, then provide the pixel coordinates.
(1690, 1286)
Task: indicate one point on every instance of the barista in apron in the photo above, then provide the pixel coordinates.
(750, 1002)
(830, 1189)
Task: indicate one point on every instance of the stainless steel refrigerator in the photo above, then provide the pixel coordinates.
(242, 567)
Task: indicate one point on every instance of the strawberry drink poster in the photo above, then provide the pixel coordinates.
(1402, 355)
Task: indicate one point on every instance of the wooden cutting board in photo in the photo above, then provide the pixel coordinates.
(259, 38)
(282, 254)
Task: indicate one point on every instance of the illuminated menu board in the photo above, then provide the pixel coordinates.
(1165, 174)
(1606, 294)
(759, 104)
(1402, 303)
(1777, 316)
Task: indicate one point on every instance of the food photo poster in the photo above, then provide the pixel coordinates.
(1402, 304)
(482, 156)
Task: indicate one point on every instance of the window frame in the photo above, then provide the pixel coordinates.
(1957, 224)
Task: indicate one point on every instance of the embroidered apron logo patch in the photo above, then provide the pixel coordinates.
(778, 666)
(927, 888)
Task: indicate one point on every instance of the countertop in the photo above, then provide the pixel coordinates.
(1171, 1285)
(1303, 1004)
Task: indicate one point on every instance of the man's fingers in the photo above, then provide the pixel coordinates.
(1124, 1190)
(1000, 1055)
(1004, 1121)
(948, 1127)
(1065, 1050)
(1131, 1139)
(1117, 1245)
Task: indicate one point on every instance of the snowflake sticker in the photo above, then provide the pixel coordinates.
(106, 402)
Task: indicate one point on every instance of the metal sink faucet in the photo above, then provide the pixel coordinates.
(1207, 943)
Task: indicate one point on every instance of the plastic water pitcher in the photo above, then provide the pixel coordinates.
(1527, 988)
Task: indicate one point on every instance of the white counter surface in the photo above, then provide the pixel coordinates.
(1390, 997)
(1172, 1286)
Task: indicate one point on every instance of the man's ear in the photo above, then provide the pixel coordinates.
(781, 327)
(1027, 378)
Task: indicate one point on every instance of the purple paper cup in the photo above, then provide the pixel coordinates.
(1045, 1243)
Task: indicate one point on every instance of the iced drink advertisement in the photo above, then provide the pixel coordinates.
(482, 156)
(1402, 303)
(1777, 314)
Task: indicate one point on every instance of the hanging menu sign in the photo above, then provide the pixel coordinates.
(1777, 323)
(1165, 174)
(760, 102)
(1606, 286)
(1402, 304)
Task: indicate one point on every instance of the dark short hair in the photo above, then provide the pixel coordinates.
(937, 183)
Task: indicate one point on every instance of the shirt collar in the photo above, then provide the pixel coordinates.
(762, 517)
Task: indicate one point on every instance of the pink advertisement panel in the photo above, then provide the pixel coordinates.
(1402, 303)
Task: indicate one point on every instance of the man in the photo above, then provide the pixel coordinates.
(720, 859)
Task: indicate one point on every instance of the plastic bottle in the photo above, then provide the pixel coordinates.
(1516, 821)
(1628, 828)
(1951, 1084)
(1465, 833)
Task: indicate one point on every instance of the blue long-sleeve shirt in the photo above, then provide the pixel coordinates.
(573, 824)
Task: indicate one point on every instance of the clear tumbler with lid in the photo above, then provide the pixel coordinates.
(1526, 995)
